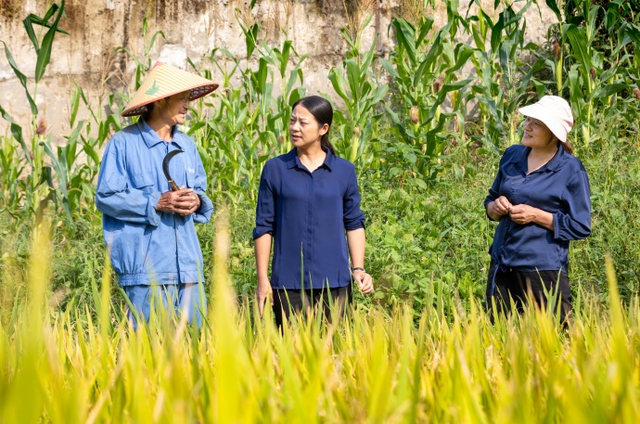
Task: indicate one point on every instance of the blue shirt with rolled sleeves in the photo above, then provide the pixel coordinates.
(147, 246)
(560, 187)
(307, 213)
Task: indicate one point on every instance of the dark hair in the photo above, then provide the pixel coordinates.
(567, 147)
(146, 115)
(321, 109)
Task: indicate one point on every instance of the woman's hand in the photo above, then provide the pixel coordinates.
(263, 293)
(525, 214)
(183, 202)
(502, 206)
(364, 281)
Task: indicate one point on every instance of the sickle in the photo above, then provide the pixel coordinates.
(165, 168)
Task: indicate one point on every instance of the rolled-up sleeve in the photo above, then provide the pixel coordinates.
(265, 209)
(204, 212)
(576, 223)
(117, 197)
(353, 216)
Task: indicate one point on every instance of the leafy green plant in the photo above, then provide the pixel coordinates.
(143, 61)
(250, 123)
(600, 41)
(424, 69)
(42, 48)
(31, 188)
(354, 83)
(504, 76)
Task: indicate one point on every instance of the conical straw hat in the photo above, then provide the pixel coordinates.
(164, 81)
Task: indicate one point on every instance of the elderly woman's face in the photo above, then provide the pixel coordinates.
(175, 107)
(536, 134)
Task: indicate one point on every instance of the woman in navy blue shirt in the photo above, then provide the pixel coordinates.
(541, 199)
(307, 199)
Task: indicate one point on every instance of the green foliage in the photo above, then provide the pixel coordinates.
(356, 85)
(143, 62)
(424, 71)
(596, 45)
(43, 49)
(30, 191)
(503, 75)
(249, 124)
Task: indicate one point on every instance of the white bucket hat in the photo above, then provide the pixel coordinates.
(164, 81)
(554, 112)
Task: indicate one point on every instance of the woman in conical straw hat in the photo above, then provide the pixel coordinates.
(541, 199)
(148, 226)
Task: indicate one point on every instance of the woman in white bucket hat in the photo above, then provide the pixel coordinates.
(151, 191)
(541, 199)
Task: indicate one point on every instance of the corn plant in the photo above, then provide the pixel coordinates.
(424, 70)
(356, 130)
(11, 169)
(503, 75)
(599, 65)
(250, 122)
(42, 48)
(228, 146)
(35, 185)
(143, 61)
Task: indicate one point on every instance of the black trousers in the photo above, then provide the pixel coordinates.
(288, 302)
(510, 289)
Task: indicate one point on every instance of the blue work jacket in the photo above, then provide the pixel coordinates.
(147, 246)
(561, 187)
(307, 214)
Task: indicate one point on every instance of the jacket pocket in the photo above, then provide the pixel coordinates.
(141, 181)
(190, 178)
(129, 248)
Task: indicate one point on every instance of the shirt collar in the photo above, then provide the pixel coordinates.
(553, 165)
(556, 161)
(151, 138)
(292, 159)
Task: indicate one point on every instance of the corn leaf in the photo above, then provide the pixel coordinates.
(44, 55)
(21, 77)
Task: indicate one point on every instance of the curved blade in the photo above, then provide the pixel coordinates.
(165, 168)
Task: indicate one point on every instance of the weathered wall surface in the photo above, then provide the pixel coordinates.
(192, 28)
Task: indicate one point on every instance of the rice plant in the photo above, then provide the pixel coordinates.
(373, 366)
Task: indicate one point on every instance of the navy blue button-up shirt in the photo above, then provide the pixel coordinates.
(561, 187)
(147, 246)
(307, 215)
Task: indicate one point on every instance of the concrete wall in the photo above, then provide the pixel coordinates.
(192, 28)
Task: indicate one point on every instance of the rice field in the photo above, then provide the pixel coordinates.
(375, 366)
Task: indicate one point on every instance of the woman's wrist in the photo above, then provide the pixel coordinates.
(357, 268)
